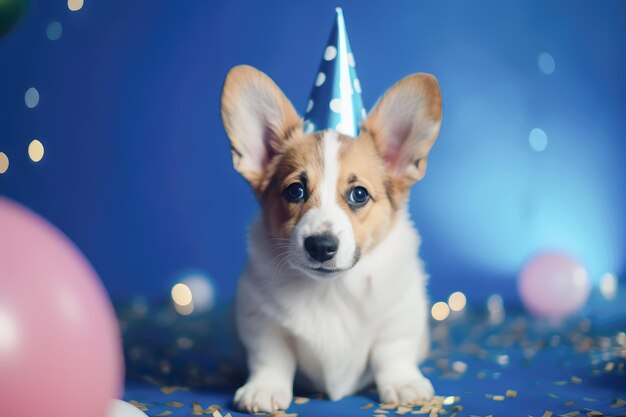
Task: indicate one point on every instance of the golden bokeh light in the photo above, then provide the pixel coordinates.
(608, 282)
(181, 294)
(457, 301)
(35, 150)
(75, 5)
(4, 162)
(184, 310)
(440, 311)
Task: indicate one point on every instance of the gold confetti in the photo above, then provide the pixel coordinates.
(576, 379)
(171, 389)
(388, 406)
(589, 399)
(175, 404)
(196, 409)
(301, 400)
(547, 414)
(551, 395)
(570, 414)
(379, 415)
(212, 408)
(381, 411)
(560, 382)
(609, 366)
(163, 414)
(510, 393)
(498, 397)
(217, 413)
(367, 406)
(618, 403)
(141, 406)
(568, 403)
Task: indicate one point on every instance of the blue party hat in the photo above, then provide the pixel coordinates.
(335, 101)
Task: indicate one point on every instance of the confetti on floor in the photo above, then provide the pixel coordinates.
(479, 368)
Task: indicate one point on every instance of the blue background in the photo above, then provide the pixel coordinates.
(137, 168)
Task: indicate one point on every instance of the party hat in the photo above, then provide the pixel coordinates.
(335, 101)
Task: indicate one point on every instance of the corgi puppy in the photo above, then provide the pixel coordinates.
(333, 287)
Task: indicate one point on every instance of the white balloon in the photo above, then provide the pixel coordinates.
(119, 408)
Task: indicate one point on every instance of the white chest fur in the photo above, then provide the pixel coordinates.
(331, 325)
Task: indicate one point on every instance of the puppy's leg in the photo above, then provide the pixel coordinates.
(271, 364)
(394, 359)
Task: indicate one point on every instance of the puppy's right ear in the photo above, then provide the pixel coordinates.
(257, 117)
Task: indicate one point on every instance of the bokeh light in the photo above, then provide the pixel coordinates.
(495, 307)
(440, 311)
(608, 286)
(54, 31)
(457, 301)
(75, 5)
(546, 63)
(537, 139)
(31, 98)
(35, 150)
(181, 294)
(4, 162)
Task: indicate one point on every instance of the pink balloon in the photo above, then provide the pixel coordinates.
(60, 350)
(553, 285)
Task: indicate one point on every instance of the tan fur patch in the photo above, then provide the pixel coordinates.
(360, 165)
(302, 155)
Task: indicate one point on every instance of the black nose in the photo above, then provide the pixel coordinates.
(321, 247)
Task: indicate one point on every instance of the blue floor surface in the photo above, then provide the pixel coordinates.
(480, 365)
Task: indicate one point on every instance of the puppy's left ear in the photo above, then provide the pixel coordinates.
(405, 124)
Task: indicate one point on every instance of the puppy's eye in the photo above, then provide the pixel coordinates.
(358, 196)
(295, 192)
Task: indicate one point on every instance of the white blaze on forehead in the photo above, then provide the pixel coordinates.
(328, 186)
(329, 217)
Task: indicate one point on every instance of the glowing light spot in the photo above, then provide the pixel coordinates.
(319, 80)
(330, 53)
(357, 85)
(181, 294)
(184, 310)
(202, 290)
(31, 98)
(4, 162)
(9, 336)
(457, 301)
(309, 106)
(546, 63)
(495, 306)
(75, 5)
(440, 311)
(54, 31)
(538, 140)
(335, 105)
(608, 286)
(35, 150)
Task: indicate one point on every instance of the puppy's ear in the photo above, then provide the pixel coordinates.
(405, 124)
(257, 117)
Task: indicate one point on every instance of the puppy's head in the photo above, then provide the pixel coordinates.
(327, 198)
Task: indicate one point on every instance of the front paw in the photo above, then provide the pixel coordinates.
(257, 397)
(412, 391)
